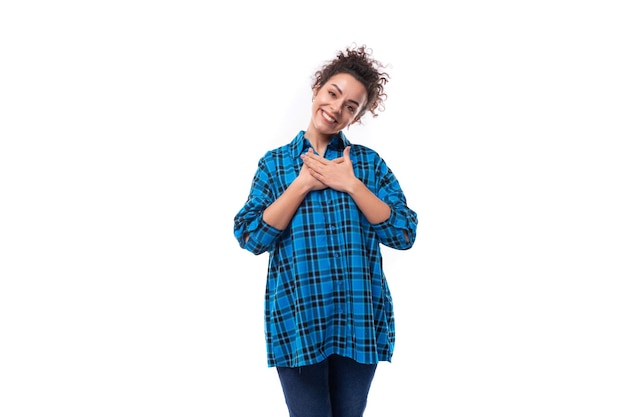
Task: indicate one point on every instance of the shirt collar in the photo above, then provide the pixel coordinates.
(300, 144)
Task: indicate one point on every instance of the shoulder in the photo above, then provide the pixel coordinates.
(364, 152)
(276, 158)
(276, 155)
(286, 150)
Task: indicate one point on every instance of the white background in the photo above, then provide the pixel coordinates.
(130, 131)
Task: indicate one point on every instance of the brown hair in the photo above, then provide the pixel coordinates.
(358, 62)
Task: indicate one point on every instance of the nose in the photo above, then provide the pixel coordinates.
(335, 107)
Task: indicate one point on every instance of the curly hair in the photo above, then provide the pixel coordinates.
(358, 62)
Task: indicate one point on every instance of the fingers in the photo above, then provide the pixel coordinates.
(310, 157)
(312, 160)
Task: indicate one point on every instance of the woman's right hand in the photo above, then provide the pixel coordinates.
(309, 181)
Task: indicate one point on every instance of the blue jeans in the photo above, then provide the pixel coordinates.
(336, 387)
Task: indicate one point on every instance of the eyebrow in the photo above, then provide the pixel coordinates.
(340, 91)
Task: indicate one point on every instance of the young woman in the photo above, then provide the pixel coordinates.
(322, 207)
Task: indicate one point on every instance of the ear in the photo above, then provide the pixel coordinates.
(316, 89)
(356, 120)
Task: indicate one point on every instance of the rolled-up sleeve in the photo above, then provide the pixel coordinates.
(251, 231)
(399, 230)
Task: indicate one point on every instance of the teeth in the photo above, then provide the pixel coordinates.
(327, 117)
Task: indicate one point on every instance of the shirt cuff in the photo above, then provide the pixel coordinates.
(390, 228)
(262, 235)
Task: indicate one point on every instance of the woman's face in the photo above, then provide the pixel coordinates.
(337, 103)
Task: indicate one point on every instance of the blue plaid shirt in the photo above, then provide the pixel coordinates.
(326, 291)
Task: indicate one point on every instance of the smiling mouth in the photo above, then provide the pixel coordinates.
(328, 118)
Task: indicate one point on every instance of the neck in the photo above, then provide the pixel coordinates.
(318, 141)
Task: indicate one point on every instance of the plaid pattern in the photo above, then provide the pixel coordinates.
(326, 291)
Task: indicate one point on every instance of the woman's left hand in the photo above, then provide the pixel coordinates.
(337, 174)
